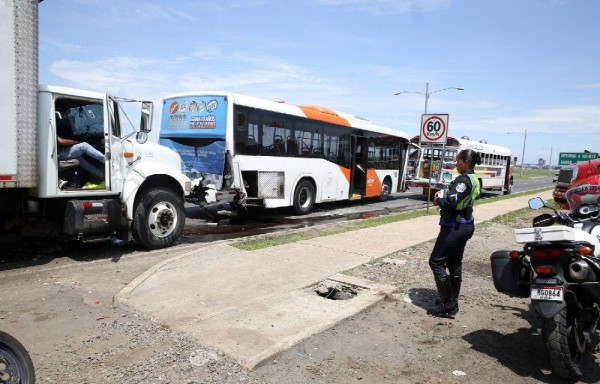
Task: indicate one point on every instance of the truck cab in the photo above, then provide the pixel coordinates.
(77, 164)
(582, 178)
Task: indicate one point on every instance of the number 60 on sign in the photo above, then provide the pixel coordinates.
(434, 128)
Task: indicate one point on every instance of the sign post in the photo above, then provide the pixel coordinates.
(434, 129)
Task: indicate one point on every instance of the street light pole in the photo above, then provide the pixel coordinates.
(550, 162)
(523, 155)
(427, 93)
(524, 144)
(426, 96)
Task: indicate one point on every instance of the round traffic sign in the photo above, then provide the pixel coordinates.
(434, 129)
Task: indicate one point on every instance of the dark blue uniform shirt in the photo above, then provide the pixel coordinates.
(459, 189)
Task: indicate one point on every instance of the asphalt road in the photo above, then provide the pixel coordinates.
(200, 228)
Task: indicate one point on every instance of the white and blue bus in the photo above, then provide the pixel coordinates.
(245, 151)
(437, 165)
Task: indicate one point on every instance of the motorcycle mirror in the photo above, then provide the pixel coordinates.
(536, 203)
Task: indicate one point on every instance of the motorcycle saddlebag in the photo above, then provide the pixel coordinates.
(510, 276)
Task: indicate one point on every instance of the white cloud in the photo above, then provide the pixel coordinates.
(128, 76)
(576, 120)
(261, 76)
(48, 43)
(387, 6)
(588, 86)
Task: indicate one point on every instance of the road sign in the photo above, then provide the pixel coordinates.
(566, 158)
(434, 128)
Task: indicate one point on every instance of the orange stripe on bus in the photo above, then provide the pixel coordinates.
(346, 172)
(373, 184)
(323, 114)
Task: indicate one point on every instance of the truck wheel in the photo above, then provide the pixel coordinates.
(158, 219)
(304, 197)
(509, 189)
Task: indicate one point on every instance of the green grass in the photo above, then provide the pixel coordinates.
(529, 173)
(279, 239)
(504, 197)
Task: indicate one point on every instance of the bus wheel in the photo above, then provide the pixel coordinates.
(509, 189)
(386, 189)
(158, 219)
(304, 197)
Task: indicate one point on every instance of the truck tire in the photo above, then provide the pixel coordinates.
(15, 363)
(158, 219)
(304, 197)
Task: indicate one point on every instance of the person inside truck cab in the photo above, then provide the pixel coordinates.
(72, 149)
(69, 148)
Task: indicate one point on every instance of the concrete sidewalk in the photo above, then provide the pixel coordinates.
(254, 304)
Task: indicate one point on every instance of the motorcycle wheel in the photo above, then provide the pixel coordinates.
(565, 343)
(15, 363)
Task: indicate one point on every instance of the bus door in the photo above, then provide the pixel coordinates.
(358, 168)
(406, 151)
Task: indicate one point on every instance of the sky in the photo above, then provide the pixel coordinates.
(530, 69)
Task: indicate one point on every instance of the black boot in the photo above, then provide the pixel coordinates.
(446, 307)
(456, 282)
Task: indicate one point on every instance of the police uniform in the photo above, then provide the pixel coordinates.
(456, 228)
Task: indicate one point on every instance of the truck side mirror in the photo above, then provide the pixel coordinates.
(141, 137)
(146, 120)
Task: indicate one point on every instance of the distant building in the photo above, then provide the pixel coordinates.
(541, 162)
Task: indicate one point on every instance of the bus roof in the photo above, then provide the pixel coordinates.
(306, 111)
(471, 144)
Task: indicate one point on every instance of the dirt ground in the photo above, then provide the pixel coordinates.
(64, 315)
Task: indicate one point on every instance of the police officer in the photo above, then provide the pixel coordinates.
(456, 227)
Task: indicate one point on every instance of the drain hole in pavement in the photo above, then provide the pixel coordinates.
(334, 290)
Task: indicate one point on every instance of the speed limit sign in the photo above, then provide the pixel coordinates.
(434, 128)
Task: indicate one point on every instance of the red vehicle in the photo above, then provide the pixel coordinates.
(577, 183)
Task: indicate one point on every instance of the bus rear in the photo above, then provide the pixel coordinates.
(195, 126)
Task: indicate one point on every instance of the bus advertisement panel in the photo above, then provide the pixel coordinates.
(195, 127)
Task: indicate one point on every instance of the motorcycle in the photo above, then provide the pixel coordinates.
(16, 366)
(559, 270)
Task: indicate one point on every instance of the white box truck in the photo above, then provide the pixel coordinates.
(134, 188)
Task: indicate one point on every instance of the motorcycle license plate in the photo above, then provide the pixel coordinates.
(547, 292)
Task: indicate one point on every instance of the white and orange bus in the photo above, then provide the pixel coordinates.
(437, 165)
(245, 151)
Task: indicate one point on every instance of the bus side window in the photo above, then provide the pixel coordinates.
(317, 144)
(275, 131)
(251, 145)
(241, 121)
(240, 134)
